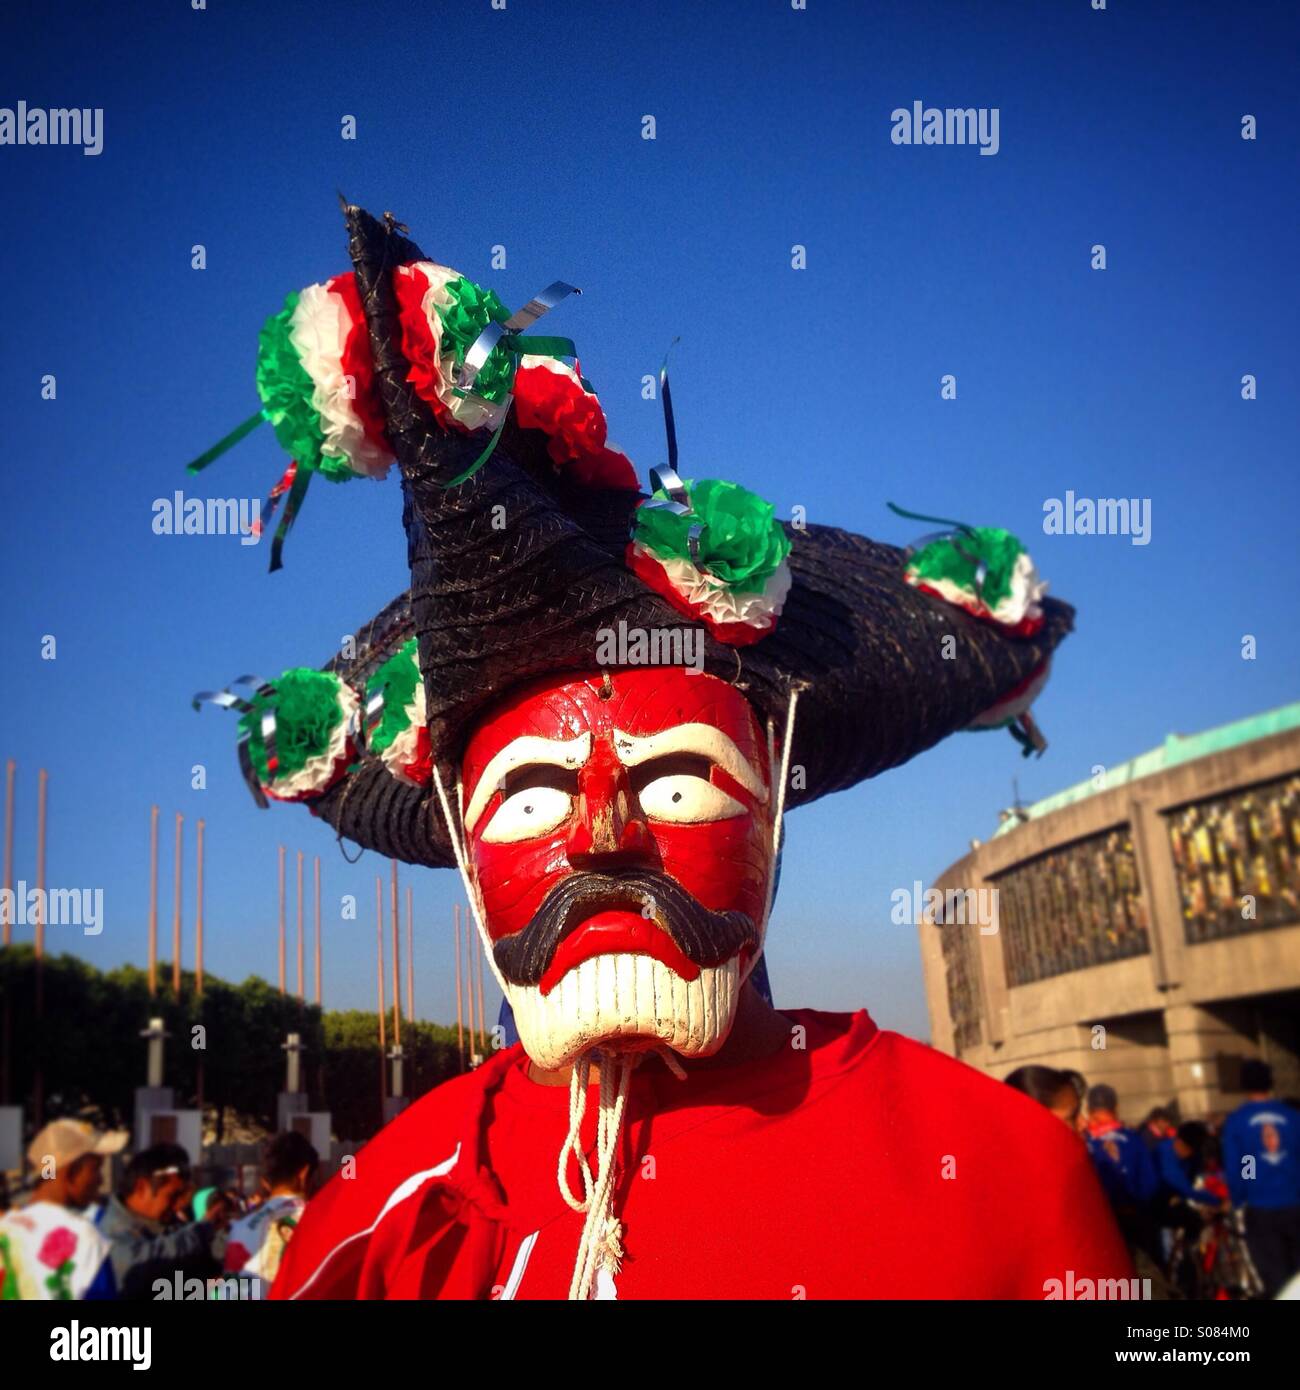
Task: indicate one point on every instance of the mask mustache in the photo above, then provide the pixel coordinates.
(703, 936)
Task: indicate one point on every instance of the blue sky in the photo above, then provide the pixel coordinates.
(817, 387)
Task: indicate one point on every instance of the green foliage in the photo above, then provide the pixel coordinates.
(92, 1055)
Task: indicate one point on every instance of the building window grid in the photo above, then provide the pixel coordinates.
(1238, 850)
(963, 990)
(1072, 908)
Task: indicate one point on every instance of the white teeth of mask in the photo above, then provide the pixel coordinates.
(624, 995)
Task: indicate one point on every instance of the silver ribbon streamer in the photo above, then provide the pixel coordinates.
(366, 720)
(227, 699)
(666, 479)
(485, 344)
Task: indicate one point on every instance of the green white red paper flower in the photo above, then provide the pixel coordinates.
(400, 737)
(441, 313)
(312, 743)
(315, 376)
(1007, 594)
(316, 380)
(735, 578)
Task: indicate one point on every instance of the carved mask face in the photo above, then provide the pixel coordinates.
(619, 832)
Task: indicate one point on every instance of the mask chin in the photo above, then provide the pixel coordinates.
(628, 1000)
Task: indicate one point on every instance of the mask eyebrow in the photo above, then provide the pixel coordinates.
(526, 751)
(704, 740)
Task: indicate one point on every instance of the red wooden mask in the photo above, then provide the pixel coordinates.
(619, 830)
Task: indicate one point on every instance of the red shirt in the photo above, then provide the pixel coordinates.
(863, 1165)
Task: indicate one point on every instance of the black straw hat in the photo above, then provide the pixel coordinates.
(520, 571)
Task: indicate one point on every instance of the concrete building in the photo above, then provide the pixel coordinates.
(1146, 925)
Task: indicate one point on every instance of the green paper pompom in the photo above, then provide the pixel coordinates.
(286, 391)
(471, 309)
(741, 546)
(942, 560)
(307, 711)
(398, 677)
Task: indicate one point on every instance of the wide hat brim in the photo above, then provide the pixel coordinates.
(516, 572)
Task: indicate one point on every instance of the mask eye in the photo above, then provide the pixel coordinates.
(526, 814)
(686, 798)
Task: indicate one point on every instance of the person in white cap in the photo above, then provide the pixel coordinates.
(48, 1249)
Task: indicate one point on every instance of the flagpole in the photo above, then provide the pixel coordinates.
(468, 954)
(38, 1106)
(379, 950)
(198, 957)
(410, 957)
(10, 768)
(478, 956)
(281, 921)
(198, 917)
(301, 995)
(153, 901)
(316, 875)
(397, 965)
(460, 1036)
(176, 913)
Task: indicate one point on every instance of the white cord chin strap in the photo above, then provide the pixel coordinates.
(778, 816)
(462, 860)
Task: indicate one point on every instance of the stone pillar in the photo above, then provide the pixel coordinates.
(292, 1100)
(153, 1095)
(1205, 1053)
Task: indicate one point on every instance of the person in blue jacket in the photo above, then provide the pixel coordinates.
(1126, 1169)
(1261, 1162)
(1179, 1162)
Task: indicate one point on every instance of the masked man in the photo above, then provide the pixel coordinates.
(598, 707)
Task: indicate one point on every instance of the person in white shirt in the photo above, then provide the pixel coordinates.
(257, 1241)
(48, 1248)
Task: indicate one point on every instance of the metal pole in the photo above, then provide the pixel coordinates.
(10, 768)
(410, 957)
(40, 885)
(460, 1036)
(38, 1098)
(379, 947)
(397, 964)
(301, 995)
(198, 958)
(469, 978)
(281, 921)
(316, 876)
(478, 956)
(198, 916)
(153, 901)
(176, 913)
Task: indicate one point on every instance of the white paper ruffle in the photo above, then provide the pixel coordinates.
(718, 603)
(319, 332)
(1022, 602)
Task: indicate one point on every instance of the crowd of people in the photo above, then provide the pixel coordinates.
(160, 1234)
(1209, 1209)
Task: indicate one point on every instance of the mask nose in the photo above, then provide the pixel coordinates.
(609, 830)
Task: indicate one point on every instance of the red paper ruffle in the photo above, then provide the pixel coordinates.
(358, 363)
(410, 285)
